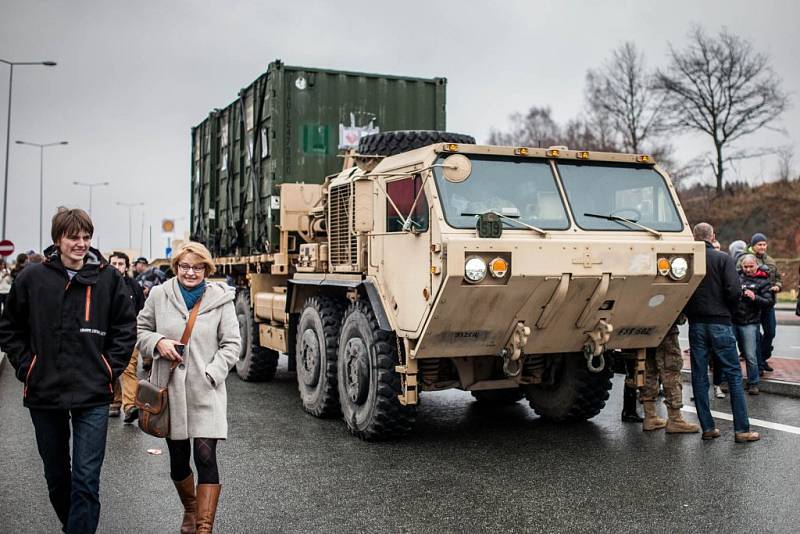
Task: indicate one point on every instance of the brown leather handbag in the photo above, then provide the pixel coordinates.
(152, 400)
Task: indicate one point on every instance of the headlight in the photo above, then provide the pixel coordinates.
(475, 270)
(498, 267)
(678, 267)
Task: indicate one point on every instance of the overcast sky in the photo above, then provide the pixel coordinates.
(134, 77)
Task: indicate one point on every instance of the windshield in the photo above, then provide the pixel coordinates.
(521, 189)
(636, 193)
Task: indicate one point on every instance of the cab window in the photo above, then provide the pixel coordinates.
(403, 192)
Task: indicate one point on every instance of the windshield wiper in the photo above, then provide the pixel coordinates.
(617, 218)
(511, 218)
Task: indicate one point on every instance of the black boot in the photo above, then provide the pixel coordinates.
(629, 413)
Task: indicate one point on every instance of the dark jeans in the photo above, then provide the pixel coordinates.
(703, 339)
(747, 335)
(768, 325)
(74, 491)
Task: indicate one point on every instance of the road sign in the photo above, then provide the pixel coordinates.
(6, 248)
(167, 226)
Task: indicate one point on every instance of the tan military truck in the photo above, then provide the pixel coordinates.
(503, 271)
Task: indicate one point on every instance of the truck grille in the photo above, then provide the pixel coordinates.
(343, 241)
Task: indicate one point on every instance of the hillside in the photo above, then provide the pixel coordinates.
(772, 209)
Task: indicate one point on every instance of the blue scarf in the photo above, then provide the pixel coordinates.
(191, 296)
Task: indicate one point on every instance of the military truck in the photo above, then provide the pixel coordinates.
(430, 262)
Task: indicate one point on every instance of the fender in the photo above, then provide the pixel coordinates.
(366, 287)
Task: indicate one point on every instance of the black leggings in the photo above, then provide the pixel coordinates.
(205, 460)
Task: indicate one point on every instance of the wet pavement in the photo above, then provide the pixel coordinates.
(465, 468)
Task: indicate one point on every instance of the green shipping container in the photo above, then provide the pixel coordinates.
(291, 125)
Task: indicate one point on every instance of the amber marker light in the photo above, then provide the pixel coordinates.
(451, 147)
(644, 158)
(552, 153)
(582, 155)
(521, 151)
(663, 266)
(498, 267)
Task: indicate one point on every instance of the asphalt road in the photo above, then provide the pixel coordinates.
(786, 343)
(465, 469)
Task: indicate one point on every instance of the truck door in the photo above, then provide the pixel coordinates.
(402, 250)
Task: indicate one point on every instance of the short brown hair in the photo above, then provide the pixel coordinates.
(70, 221)
(193, 247)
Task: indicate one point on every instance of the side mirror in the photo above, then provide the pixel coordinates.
(457, 168)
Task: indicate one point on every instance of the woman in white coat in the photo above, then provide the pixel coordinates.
(197, 397)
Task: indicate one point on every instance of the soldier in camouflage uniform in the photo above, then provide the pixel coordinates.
(665, 363)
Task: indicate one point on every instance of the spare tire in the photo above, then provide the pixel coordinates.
(391, 143)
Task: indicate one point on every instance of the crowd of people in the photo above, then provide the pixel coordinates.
(69, 329)
(76, 327)
(731, 316)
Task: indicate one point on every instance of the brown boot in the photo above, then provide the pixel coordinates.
(651, 420)
(677, 425)
(186, 492)
(207, 498)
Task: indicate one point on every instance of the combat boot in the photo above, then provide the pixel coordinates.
(207, 499)
(186, 492)
(677, 425)
(629, 412)
(651, 420)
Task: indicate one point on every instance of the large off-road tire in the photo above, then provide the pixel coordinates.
(317, 347)
(391, 143)
(499, 397)
(256, 363)
(368, 382)
(575, 394)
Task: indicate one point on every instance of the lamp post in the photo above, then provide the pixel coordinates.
(91, 187)
(130, 206)
(11, 65)
(41, 177)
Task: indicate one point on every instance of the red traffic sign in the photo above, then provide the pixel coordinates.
(6, 248)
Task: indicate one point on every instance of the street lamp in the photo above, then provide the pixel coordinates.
(130, 206)
(91, 187)
(41, 177)
(11, 65)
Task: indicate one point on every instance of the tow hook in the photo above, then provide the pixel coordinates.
(595, 346)
(512, 353)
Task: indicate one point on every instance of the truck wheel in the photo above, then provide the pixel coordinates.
(499, 397)
(368, 382)
(391, 143)
(317, 345)
(256, 363)
(575, 394)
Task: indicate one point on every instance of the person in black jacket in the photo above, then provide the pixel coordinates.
(709, 311)
(756, 296)
(127, 384)
(68, 330)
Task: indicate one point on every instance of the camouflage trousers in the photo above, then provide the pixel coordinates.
(664, 363)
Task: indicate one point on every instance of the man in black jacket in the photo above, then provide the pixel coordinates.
(757, 296)
(709, 312)
(127, 384)
(68, 329)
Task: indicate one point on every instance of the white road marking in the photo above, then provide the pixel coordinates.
(794, 347)
(754, 422)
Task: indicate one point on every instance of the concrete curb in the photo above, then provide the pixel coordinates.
(776, 387)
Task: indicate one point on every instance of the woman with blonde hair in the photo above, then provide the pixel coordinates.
(195, 373)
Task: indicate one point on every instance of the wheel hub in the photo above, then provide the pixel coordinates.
(310, 358)
(357, 370)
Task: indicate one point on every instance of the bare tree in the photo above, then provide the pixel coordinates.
(621, 92)
(722, 87)
(785, 159)
(534, 129)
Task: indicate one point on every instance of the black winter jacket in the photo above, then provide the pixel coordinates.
(717, 296)
(68, 340)
(137, 294)
(749, 311)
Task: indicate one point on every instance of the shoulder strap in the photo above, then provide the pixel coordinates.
(187, 332)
